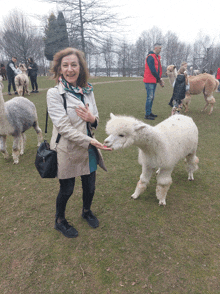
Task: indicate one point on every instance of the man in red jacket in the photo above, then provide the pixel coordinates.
(218, 78)
(152, 76)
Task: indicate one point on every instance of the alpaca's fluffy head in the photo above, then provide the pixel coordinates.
(121, 131)
(171, 69)
(22, 67)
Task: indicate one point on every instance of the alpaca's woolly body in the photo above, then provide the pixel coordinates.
(22, 81)
(161, 146)
(16, 116)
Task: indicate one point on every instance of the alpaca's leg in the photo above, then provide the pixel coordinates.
(22, 143)
(210, 100)
(158, 171)
(205, 107)
(164, 181)
(186, 102)
(143, 182)
(39, 133)
(3, 146)
(26, 89)
(211, 108)
(191, 165)
(16, 149)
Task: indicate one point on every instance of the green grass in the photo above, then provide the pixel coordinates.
(139, 246)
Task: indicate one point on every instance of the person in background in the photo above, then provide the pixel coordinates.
(152, 76)
(218, 78)
(12, 71)
(32, 73)
(77, 151)
(179, 90)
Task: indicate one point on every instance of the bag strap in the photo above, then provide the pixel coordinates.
(58, 136)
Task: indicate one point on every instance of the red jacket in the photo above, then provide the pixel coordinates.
(151, 76)
(218, 74)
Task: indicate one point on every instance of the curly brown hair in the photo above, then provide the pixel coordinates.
(84, 72)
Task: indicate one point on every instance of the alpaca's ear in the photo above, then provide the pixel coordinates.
(174, 66)
(112, 115)
(139, 126)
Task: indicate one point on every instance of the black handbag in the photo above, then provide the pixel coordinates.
(46, 159)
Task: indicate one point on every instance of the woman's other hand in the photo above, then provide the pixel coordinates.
(85, 114)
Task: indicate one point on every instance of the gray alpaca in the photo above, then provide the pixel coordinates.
(16, 116)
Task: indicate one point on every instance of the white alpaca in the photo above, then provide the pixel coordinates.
(161, 146)
(22, 81)
(16, 116)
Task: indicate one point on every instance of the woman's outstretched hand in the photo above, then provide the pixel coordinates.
(85, 113)
(99, 145)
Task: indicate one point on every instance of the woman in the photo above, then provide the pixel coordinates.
(32, 73)
(77, 151)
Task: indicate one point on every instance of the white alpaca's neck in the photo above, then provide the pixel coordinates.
(149, 139)
(2, 104)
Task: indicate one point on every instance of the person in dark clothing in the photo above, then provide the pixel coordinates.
(12, 71)
(32, 73)
(179, 90)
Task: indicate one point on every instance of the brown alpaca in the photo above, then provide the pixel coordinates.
(22, 81)
(3, 72)
(205, 83)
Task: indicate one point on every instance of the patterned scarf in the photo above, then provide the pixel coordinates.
(68, 87)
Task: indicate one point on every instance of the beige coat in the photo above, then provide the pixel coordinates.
(72, 149)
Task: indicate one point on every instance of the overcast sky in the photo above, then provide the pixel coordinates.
(185, 18)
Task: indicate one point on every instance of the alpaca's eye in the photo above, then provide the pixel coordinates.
(121, 135)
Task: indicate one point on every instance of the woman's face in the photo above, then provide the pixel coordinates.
(70, 69)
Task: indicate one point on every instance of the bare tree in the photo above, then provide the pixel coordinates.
(203, 53)
(87, 21)
(108, 55)
(216, 58)
(124, 59)
(170, 49)
(142, 47)
(19, 38)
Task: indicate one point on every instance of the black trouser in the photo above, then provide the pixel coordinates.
(66, 190)
(11, 81)
(34, 83)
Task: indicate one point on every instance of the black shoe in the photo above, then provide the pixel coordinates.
(36, 91)
(16, 93)
(90, 218)
(171, 104)
(149, 117)
(9, 93)
(66, 229)
(32, 91)
(154, 115)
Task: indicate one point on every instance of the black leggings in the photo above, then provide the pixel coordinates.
(11, 81)
(34, 83)
(66, 190)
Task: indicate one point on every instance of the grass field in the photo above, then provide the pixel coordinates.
(139, 247)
